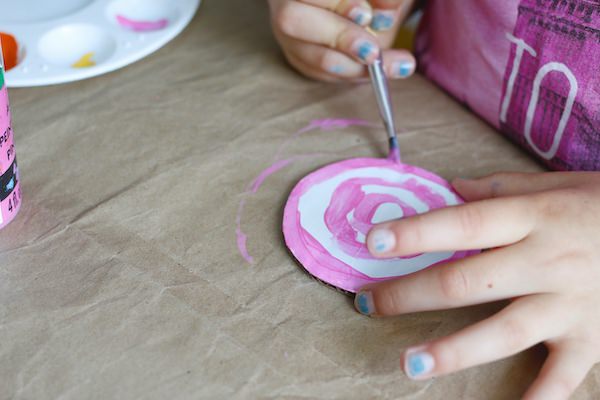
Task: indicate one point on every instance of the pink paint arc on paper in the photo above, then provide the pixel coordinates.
(329, 238)
(242, 244)
(141, 26)
(326, 124)
(254, 186)
(269, 171)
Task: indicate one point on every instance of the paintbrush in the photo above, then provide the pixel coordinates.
(382, 94)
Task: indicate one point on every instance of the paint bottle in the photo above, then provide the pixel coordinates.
(10, 188)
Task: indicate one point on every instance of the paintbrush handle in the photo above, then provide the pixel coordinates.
(382, 94)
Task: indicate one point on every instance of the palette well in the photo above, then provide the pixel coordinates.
(68, 40)
(330, 212)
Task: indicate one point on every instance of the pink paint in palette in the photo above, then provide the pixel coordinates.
(141, 26)
(330, 212)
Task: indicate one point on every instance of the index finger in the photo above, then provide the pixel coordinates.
(478, 225)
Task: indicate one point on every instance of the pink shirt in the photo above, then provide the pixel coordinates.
(531, 68)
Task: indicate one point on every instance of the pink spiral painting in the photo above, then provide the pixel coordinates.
(330, 212)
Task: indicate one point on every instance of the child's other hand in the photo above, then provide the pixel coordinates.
(545, 231)
(327, 39)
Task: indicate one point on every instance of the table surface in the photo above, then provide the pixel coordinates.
(122, 277)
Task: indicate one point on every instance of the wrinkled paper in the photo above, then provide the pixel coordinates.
(122, 277)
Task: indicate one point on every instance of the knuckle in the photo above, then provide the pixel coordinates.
(388, 301)
(556, 204)
(470, 221)
(495, 182)
(342, 39)
(571, 267)
(286, 19)
(447, 356)
(338, 5)
(409, 234)
(516, 334)
(453, 282)
(564, 386)
(326, 60)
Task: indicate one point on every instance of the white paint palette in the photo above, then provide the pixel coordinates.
(68, 40)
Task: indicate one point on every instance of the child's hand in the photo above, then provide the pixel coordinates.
(327, 39)
(545, 229)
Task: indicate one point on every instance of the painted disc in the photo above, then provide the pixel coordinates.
(329, 213)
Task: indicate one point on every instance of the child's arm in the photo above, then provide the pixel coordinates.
(328, 40)
(545, 232)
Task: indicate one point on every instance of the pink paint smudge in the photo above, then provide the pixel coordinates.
(141, 26)
(328, 124)
(394, 154)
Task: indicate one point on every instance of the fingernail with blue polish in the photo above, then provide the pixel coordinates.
(382, 21)
(381, 241)
(364, 303)
(337, 69)
(418, 364)
(404, 68)
(365, 50)
(360, 16)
